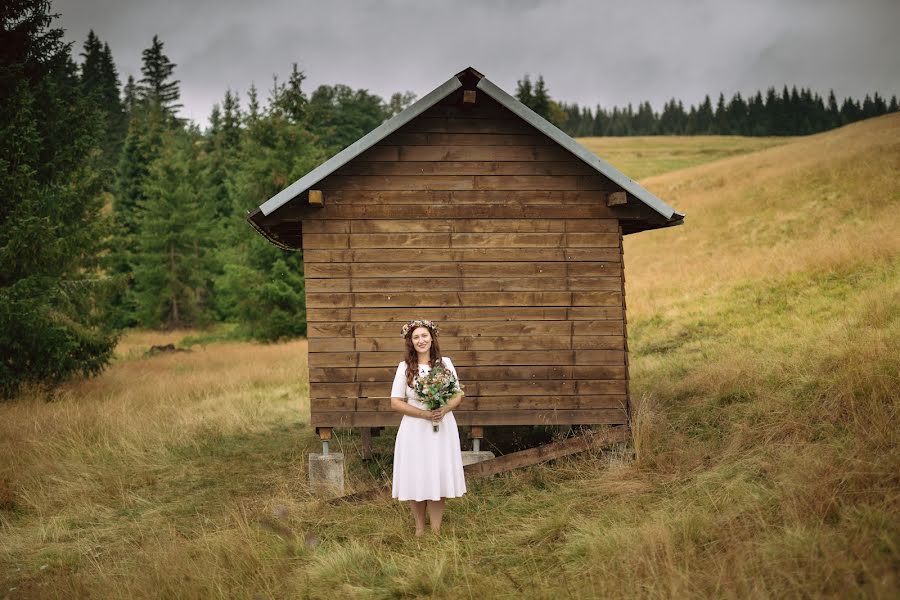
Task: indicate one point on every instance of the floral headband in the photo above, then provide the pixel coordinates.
(419, 323)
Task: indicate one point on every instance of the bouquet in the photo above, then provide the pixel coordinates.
(436, 387)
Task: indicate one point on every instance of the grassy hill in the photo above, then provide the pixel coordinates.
(641, 157)
(765, 346)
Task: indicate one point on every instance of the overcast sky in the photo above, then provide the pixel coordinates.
(606, 52)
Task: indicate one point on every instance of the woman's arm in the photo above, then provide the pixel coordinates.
(400, 405)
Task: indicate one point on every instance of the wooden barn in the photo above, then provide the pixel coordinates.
(469, 209)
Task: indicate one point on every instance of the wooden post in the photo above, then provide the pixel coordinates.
(476, 433)
(316, 198)
(325, 436)
(365, 434)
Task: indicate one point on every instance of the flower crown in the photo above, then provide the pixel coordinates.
(419, 323)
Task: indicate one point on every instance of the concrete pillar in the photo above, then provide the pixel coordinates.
(470, 457)
(326, 473)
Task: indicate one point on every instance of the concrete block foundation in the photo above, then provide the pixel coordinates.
(326, 473)
(470, 457)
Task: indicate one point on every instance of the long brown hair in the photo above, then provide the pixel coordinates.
(412, 357)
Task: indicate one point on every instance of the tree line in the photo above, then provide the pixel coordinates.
(791, 112)
(116, 213)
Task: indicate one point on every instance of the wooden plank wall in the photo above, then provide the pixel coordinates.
(476, 220)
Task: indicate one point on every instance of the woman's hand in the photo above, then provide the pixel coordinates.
(438, 414)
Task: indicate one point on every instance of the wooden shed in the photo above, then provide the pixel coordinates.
(469, 209)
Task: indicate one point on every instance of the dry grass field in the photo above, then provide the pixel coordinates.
(765, 347)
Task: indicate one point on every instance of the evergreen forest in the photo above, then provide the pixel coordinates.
(117, 213)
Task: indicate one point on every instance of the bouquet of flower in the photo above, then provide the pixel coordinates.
(436, 387)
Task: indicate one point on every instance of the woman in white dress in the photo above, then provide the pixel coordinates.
(427, 464)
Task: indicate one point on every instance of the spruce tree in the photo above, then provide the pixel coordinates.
(51, 290)
(261, 286)
(173, 260)
(155, 87)
(540, 99)
(130, 94)
(523, 91)
(101, 82)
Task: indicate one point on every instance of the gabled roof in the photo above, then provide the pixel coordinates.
(665, 214)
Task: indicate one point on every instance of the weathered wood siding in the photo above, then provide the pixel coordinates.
(475, 220)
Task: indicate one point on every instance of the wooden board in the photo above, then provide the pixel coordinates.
(495, 199)
(321, 241)
(508, 373)
(546, 452)
(468, 270)
(462, 299)
(455, 344)
(486, 403)
(456, 255)
(469, 167)
(610, 416)
(316, 226)
(473, 329)
(497, 283)
(463, 358)
(474, 210)
(538, 387)
(484, 313)
(465, 182)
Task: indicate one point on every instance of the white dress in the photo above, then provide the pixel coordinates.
(427, 465)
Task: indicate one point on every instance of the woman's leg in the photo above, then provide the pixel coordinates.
(418, 511)
(435, 514)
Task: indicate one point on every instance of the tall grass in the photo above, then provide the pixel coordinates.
(765, 353)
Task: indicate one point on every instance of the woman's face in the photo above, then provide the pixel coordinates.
(421, 339)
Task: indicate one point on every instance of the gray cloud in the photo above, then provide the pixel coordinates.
(589, 52)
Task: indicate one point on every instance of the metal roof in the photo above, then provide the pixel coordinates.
(442, 91)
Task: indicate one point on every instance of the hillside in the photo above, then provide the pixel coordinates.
(765, 352)
(641, 157)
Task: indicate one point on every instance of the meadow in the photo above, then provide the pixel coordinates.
(765, 361)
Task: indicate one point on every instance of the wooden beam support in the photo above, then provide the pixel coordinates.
(616, 199)
(324, 433)
(316, 198)
(365, 434)
(468, 96)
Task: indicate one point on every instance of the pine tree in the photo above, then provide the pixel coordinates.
(173, 262)
(261, 286)
(101, 82)
(834, 113)
(705, 118)
(540, 99)
(130, 96)
(523, 91)
(736, 116)
(51, 325)
(720, 117)
(252, 106)
(155, 87)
